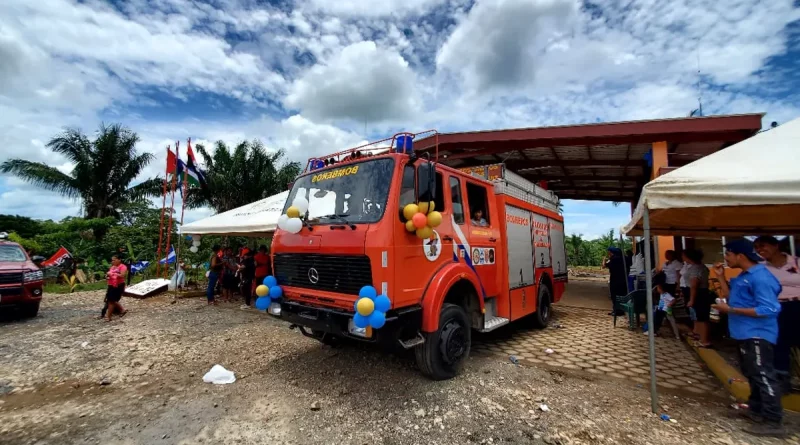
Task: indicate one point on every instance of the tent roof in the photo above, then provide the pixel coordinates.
(257, 218)
(748, 188)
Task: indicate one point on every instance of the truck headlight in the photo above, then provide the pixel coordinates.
(359, 332)
(34, 275)
(274, 308)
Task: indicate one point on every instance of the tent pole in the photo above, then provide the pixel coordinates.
(624, 261)
(648, 266)
(792, 248)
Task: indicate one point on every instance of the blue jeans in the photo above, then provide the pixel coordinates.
(212, 284)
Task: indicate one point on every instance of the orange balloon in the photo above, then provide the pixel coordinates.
(419, 220)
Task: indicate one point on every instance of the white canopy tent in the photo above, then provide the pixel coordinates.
(254, 219)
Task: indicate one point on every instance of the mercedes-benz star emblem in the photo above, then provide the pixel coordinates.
(313, 276)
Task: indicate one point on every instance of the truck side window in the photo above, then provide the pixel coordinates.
(458, 202)
(407, 190)
(478, 205)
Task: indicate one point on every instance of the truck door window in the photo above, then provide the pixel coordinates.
(478, 205)
(458, 202)
(407, 188)
(423, 183)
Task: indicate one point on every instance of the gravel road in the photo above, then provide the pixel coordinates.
(66, 377)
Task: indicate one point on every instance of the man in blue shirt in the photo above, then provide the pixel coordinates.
(752, 310)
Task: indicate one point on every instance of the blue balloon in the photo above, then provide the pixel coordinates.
(270, 281)
(262, 303)
(382, 303)
(360, 321)
(377, 319)
(368, 292)
(275, 292)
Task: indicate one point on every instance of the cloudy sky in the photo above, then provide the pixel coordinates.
(314, 76)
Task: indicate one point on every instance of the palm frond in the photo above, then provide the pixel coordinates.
(41, 175)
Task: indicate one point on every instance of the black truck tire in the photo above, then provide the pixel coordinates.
(543, 307)
(444, 352)
(30, 310)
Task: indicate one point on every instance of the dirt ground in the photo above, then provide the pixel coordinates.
(68, 378)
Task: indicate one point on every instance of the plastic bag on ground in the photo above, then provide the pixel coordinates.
(219, 376)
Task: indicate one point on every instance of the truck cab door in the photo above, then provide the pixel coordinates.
(483, 227)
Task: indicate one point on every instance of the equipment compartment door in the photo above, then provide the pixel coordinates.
(520, 247)
(558, 250)
(541, 240)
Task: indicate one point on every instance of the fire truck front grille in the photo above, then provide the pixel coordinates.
(332, 273)
(11, 278)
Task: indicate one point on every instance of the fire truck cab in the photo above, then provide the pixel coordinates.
(493, 254)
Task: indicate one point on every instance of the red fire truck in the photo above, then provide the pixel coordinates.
(493, 254)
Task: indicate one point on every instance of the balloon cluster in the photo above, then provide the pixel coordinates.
(267, 292)
(290, 221)
(195, 243)
(421, 219)
(371, 308)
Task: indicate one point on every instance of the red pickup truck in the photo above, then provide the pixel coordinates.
(21, 280)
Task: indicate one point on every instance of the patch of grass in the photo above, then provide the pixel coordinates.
(58, 288)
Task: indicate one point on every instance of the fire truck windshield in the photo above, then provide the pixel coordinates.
(353, 193)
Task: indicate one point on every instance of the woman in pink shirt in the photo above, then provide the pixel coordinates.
(116, 286)
(786, 269)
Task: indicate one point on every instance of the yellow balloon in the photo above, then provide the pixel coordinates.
(365, 306)
(262, 290)
(293, 212)
(434, 219)
(426, 207)
(410, 210)
(410, 226)
(424, 233)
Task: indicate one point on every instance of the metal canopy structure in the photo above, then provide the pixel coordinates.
(604, 161)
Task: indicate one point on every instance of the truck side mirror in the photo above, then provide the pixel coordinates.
(426, 182)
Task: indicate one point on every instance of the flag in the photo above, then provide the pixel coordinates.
(58, 258)
(139, 266)
(171, 161)
(170, 259)
(196, 176)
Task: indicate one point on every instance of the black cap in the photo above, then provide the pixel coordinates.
(745, 248)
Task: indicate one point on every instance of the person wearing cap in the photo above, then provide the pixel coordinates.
(753, 310)
(617, 279)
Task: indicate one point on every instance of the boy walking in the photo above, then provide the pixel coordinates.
(753, 310)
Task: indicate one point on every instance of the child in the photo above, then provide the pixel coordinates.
(664, 310)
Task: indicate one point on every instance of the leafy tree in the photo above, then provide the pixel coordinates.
(21, 225)
(102, 174)
(246, 174)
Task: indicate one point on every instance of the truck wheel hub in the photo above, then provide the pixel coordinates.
(452, 342)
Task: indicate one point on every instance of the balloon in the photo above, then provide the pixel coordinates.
(196, 237)
(282, 221)
(410, 210)
(360, 321)
(426, 207)
(424, 233)
(193, 249)
(365, 306)
(270, 281)
(293, 225)
(434, 219)
(382, 303)
(293, 212)
(377, 319)
(368, 292)
(301, 204)
(262, 303)
(275, 292)
(262, 290)
(188, 237)
(419, 220)
(196, 243)
(410, 226)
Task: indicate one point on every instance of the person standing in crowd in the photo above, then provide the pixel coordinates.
(229, 282)
(786, 268)
(617, 279)
(247, 270)
(636, 268)
(753, 310)
(672, 271)
(697, 296)
(262, 265)
(664, 308)
(215, 267)
(116, 286)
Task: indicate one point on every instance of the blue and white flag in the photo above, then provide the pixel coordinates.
(170, 259)
(139, 266)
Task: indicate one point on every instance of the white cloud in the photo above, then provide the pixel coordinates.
(361, 83)
(373, 7)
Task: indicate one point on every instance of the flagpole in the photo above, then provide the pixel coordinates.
(171, 210)
(161, 221)
(183, 208)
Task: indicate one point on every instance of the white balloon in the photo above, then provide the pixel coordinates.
(196, 243)
(193, 249)
(293, 225)
(301, 203)
(282, 221)
(196, 238)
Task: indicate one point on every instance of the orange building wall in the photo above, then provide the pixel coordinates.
(660, 159)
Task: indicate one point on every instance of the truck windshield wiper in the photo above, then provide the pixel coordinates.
(341, 217)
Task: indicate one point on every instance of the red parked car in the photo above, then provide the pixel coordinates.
(21, 280)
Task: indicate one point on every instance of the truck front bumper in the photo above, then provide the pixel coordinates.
(21, 294)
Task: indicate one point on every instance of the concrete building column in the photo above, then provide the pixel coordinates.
(661, 159)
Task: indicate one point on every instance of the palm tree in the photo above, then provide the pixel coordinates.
(102, 172)
(246, 174)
